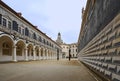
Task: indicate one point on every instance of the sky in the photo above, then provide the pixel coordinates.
(52, 16)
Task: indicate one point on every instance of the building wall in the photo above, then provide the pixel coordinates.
(20, 40)
(71, 47)
(99, 40)
(97, 15)
(65, 50)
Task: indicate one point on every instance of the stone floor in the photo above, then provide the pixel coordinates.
(45, 70)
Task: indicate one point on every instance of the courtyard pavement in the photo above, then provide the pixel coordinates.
(45, 70)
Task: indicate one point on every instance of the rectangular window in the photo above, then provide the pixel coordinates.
(22, 31)
(76, 50)
(4, 22)
(9, 24)
(15, 26)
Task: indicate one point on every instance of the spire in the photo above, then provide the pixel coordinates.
(59, 34)
(59, 40)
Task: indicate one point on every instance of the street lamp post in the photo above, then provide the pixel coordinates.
(69, 54)
(57, 54)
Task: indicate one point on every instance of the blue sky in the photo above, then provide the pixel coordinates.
(52, 16)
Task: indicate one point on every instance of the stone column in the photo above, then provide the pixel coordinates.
(40, 54)
(14, 53)
(26, 54)
(34, 55)
(47, 54)
(51, 55)
(43, 53)
(30, 53)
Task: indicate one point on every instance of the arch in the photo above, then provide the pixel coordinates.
(20, 40)
(20, 50)
(6, 35)
(6, 44)
(30, 49)
(42, 51)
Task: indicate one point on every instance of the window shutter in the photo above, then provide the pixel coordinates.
(0, 19)
(15, 26)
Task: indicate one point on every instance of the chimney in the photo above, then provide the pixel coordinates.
(35, 26)
(19, 13)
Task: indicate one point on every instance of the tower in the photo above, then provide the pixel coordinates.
(59, 40)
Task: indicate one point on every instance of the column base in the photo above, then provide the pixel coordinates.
(14, 60)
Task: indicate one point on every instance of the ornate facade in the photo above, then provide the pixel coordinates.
(99, 39)
(20, 40)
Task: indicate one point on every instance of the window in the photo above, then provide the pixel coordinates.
(27, 32)
(4, 22)
(9, 24)
(22, 31)
(15, 26)
(34, 36)
(76, 50)
(44, 41)
(40, 39)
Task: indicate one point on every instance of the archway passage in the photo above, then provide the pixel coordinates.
(30, 51)
(42, 52)
(37, 52)
(6, 44)
(20, 48)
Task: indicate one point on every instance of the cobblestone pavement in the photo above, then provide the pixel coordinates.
(45, 70)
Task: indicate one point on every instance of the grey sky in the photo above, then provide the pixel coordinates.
(52, 16)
